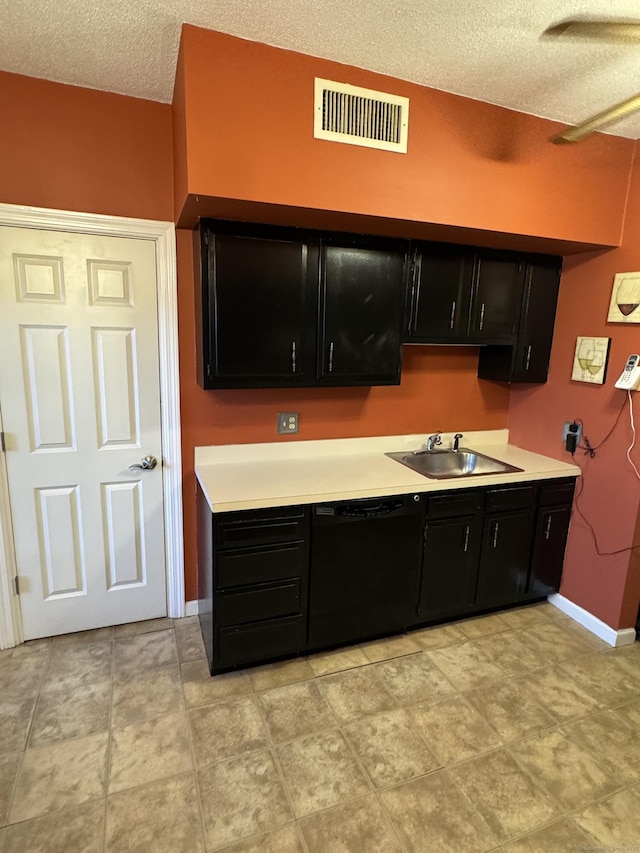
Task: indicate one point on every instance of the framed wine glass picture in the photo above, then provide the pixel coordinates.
(625, 298)
(590, 360)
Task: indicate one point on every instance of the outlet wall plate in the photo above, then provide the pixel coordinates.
(565, 431)
(287, 423)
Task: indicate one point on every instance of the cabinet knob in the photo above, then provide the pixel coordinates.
(547, 529)
(293, 356)
(331, 357)
(481, 316)
(527, 361)
(465, 546)
(495, 535)
(453, 314)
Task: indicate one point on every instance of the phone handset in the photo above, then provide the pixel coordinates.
(630, 376)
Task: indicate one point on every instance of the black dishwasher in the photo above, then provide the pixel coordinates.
(366, 559)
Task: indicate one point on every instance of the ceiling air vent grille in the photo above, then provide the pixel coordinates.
(358, 116)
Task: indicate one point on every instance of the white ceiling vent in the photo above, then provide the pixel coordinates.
(357, 116)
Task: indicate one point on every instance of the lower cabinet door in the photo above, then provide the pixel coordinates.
(450, 567)
(552, 527)
(505, 558)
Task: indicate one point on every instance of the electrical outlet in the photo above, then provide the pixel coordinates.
(577, 431)
(287, 423)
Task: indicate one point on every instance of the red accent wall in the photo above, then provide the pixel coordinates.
(70, 148)
(607, 586)
(248, 110)
(244, 143)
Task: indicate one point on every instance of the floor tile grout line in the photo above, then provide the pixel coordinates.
(279, 770)
(107, 768)
(203, 833)
(23, 751)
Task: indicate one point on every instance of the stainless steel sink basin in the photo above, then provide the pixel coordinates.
(445, 464)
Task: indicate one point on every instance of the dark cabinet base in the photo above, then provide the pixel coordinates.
(274, 586)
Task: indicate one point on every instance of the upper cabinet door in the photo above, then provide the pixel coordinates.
(532, 353)
(496, 297)
(440, 294)
(361, 291)
(258, 334)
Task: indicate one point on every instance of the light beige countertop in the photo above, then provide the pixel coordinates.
(285, 473)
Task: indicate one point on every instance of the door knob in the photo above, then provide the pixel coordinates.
(147, 463)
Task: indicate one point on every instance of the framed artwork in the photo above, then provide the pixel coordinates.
(625, 298)
(590, 360)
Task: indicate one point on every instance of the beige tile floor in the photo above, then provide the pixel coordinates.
(517, 732)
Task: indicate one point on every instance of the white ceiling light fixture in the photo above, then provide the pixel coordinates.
(356, 116)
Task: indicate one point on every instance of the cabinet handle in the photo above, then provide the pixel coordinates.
(481, 316)
(547, 529)
(495, 535)
(453, 314)
(331, 357)
(465, 547)
(293, 356)
(528, 358)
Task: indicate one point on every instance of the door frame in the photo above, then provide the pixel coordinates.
(163, 234)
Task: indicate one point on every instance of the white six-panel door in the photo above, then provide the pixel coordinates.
(79, 392)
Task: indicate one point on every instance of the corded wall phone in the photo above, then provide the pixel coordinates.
(630, 376)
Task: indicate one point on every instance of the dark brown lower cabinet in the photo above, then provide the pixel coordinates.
(450, 567)
(483, 549)
(550, 540)
(504, 558)
(253, 571)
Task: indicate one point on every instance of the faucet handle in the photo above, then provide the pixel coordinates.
(456, 440)
(434, 440)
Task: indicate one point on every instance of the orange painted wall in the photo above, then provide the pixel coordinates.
(70, 148)
(247, 137)
(607, 586)
(248, 109)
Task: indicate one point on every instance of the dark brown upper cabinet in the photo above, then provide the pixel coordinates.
(284, 307)
(461, 295)
(440, 294)
(360, 319)
(528, 359)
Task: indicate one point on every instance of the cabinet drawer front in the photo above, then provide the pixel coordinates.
(261, 528)
(556, 492)
(514, 497)
(256, 565)
(255, 603)
(453, 504)
(248, 644)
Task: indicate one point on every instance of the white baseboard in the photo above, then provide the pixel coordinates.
(622, 637)
(191, 608)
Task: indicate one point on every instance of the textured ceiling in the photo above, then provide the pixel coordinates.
(489, 50)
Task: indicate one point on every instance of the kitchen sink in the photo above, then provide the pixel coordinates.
(445, 464)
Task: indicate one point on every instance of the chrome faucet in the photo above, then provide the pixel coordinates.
(433, 441)
(456, 441)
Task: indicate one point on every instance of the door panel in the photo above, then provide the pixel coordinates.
(361, 293)
(496, 298)
(79, 390)
(260, 292)
(441, 294)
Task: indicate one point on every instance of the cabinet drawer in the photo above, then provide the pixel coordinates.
(260, 528)
(556, 492)
(247, 644)
(453, 504)
(257, 565)
(511, 497)
(250, 604)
